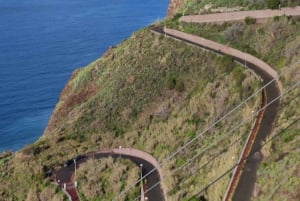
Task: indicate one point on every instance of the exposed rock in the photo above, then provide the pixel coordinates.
(174, 7)
(207, 7)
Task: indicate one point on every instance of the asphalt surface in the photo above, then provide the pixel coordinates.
(64, 175)
(247, 179)
(259, 15)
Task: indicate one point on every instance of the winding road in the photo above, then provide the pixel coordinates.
(244, 178)
(242, 185)
(65, 174)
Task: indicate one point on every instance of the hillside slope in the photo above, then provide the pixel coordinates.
(154, 94)
(277, 43)
(150, 92)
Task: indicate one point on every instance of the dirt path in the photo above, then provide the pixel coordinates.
(259, 15)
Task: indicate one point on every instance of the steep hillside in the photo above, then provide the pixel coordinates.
(150, 93)
(155, 94)
(276, 42)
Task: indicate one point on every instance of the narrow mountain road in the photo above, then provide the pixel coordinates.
(243, 182)
(244, 178)
(65, 175)
(259, 15)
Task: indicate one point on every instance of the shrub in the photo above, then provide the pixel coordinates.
(276, 18)
(171, 82)
(227, 63)
(233, 32)
(176, 17)
(180, 86)
(273, 4)
(250, 20)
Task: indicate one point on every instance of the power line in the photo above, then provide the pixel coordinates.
(212, 125)
(250, 155)
(271, 102)
(229, 170)
(195, 138)
(206, 130)
(215, 143)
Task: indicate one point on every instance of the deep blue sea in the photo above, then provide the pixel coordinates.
(43, 41)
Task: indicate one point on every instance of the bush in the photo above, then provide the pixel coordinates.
(176, 17)
(250, 20)
(273, 4)
(276, 18)
(233, 32)
(180, 86)
(171, 82)
(227, 63)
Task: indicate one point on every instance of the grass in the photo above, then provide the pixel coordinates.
(125, 98)
(281, 55)
(281, 164)
(103, 179)
(270, 174)
(275, 35)
(192, 7)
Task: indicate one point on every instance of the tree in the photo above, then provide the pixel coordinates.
(273, 4)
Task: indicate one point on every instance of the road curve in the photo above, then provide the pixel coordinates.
(246, 179)
(65, 174)
(243, 182)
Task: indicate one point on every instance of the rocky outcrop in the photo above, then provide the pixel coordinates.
(174, 7)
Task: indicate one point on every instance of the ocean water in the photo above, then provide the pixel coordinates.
(43, 41)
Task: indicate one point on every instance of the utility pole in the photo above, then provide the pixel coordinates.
(141, 165)
(75, 166)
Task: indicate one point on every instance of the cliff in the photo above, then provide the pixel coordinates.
(155, 94)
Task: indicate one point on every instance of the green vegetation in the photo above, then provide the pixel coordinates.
(279, 177)
(273, 4)
(250, 20)
(192, 7)
(101, 179)
(155, 94)
(151, 93)
(276, 42)
(280, 37)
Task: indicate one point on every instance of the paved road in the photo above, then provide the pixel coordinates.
(64, 175)
(246, 182)
(259, 15)
(247, 179)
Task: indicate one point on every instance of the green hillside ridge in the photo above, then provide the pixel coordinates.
(154, 94)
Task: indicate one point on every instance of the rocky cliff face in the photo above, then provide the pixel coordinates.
(174, 6)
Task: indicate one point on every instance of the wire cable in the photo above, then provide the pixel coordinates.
(250, 155)
(229, 170)
(204, 131)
